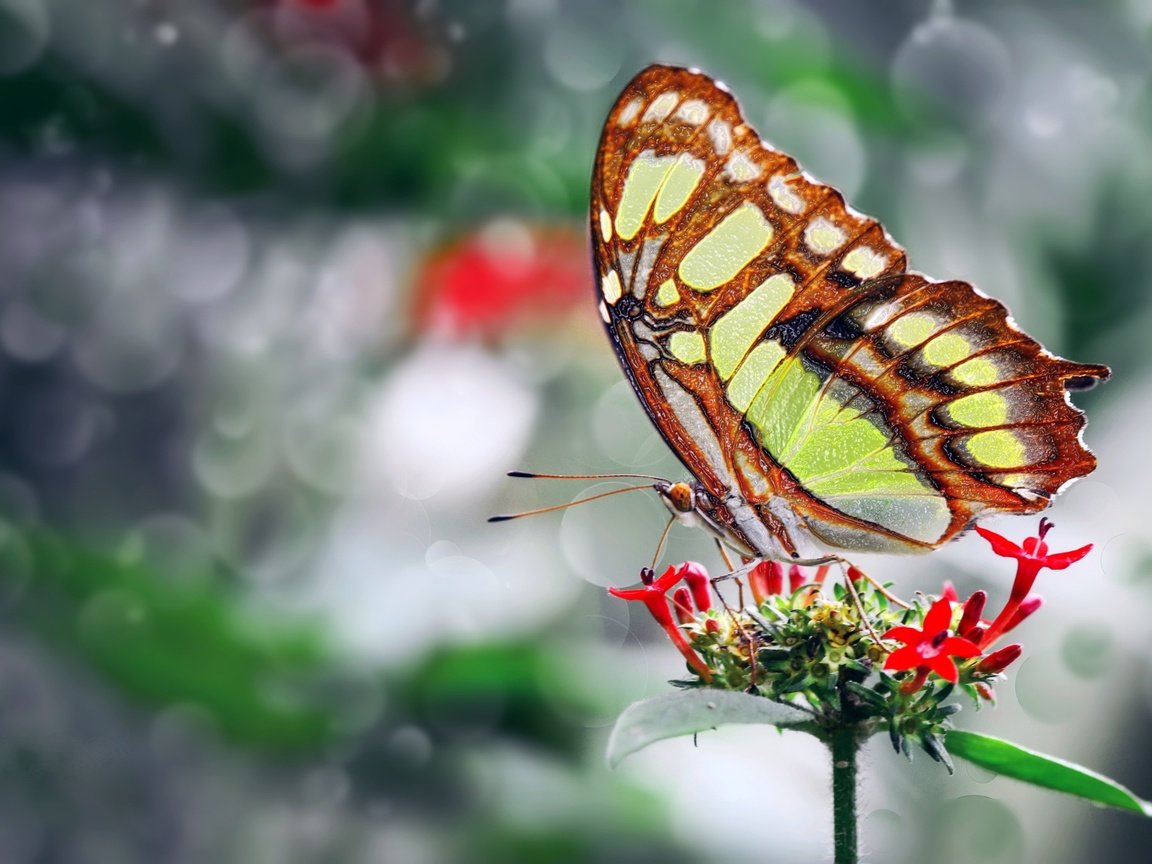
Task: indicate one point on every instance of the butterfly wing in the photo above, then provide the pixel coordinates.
(809, 382)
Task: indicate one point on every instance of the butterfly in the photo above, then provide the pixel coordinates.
(821, 394)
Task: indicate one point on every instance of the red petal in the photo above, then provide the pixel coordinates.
(939, 618)
(907, 635)
(698, 583)
(958, 646)
(904, 658)
(1000, 545)
(998, 661)
(669, 578)
(758, 582)
(630, 593)
(692, 570)
(973, 609)
(1064, 559)
(775, 577)
(943, 666)
(682, 605)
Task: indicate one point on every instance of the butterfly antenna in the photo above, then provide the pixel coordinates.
(532, 475)
(506, 517)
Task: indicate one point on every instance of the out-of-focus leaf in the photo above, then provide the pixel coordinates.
(169, 643)
(1019, 763)
(691, 711)
(516, 688)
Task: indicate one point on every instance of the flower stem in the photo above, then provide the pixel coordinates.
(844, 745)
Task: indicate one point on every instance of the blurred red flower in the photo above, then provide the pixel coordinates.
(500, 278)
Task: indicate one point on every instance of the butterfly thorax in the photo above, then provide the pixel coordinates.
(750, 530)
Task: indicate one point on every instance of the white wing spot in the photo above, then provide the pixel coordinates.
(694, 111)
(721, 134)
(785, 196)
(823, 237)
(605, 225)
(628, 114)
(740, 168)
(864, 262)
(611, 287)
(661, 106)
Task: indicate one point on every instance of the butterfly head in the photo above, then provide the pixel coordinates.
(679, 498)
(690, 504)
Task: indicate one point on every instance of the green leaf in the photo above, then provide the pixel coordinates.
(166, 642)
(1014, 761)
(674, 714)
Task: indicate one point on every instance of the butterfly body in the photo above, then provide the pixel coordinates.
(822, 396)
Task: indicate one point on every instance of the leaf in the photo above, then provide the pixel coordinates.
(168, 642)
(1012, 760)
(674, 714)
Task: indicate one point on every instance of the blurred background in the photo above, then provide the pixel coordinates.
(287, 286)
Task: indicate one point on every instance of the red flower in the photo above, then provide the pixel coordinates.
(766, 579)
(931, 648)
(695, 576)
(1031, 556)
(654, 595)
(682, 605)
(501, 277)
(999, 660)
(970, 626)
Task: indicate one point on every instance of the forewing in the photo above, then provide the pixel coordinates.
(777, 342)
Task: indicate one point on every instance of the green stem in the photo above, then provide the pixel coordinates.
(844, 748)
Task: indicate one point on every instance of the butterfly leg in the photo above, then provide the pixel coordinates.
(749, 640)
(855, 595)
(888, 595)
(724, 554)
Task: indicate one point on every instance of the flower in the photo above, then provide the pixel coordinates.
(766, 579)
(499, 278)
(695, 576)
(682, 605)
(931, 648)
(1031, 556)
(999, 660)
(970, 626)
(653, 593)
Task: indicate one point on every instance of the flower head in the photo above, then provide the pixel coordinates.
(503, 276)
(931, 647)
(1031, 556)
(653, 593)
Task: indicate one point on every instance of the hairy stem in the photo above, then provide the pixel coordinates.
(845, 746)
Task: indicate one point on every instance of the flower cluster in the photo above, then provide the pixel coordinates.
(851, 653)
